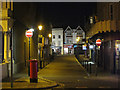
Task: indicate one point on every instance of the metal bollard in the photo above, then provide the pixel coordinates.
(40, 64)
(90, 68)
(87, 65)
(28, 68)
(96, 71)
(83, 64)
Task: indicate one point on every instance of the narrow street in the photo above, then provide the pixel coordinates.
(59, 45)
(66, 71)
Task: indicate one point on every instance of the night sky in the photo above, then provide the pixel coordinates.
(62, 14)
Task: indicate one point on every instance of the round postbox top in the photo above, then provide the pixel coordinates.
(33, 60)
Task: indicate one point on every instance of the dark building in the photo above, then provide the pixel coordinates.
(27, 16)
(106, 26)
(24, 19)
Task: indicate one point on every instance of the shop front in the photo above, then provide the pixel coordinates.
(57, 49)
(68, 49)
(117, 56)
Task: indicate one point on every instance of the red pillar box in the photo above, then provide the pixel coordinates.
(33, 70)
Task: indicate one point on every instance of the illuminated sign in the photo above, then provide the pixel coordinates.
(91, 46)
(75, 46)
(84, 47)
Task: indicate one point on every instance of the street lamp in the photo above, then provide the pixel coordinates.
(39, 47)
(40, 27)
(78, 39)
(49, 35)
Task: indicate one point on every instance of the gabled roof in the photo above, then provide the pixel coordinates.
(79, 28)
(68, 29)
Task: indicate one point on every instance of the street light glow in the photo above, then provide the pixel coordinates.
(40, 27)
(77, 40)
(50, 35)
(78, 37)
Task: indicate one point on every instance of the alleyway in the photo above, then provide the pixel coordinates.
(67, 71)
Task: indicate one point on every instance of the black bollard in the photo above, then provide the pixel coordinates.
(96, 71)
(40, 64)
(87, 65)
(83, 64)
(90, 68)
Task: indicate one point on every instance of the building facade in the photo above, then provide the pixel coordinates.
(107, 28)
(6, 25)
(71, 37)
(57, 40)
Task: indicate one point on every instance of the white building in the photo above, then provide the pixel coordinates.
(73, 36)
(57, 40)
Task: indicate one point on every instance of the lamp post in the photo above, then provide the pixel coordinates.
(50, 53)
(39, 47)
(49, 35)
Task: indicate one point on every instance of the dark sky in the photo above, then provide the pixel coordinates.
(62, 14)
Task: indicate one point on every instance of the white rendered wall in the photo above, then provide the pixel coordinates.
(56, 32)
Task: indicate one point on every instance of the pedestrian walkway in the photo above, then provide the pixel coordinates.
(99, 73)
(22, 81)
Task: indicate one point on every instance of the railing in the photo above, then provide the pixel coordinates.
(45, 62)
(88, 65)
